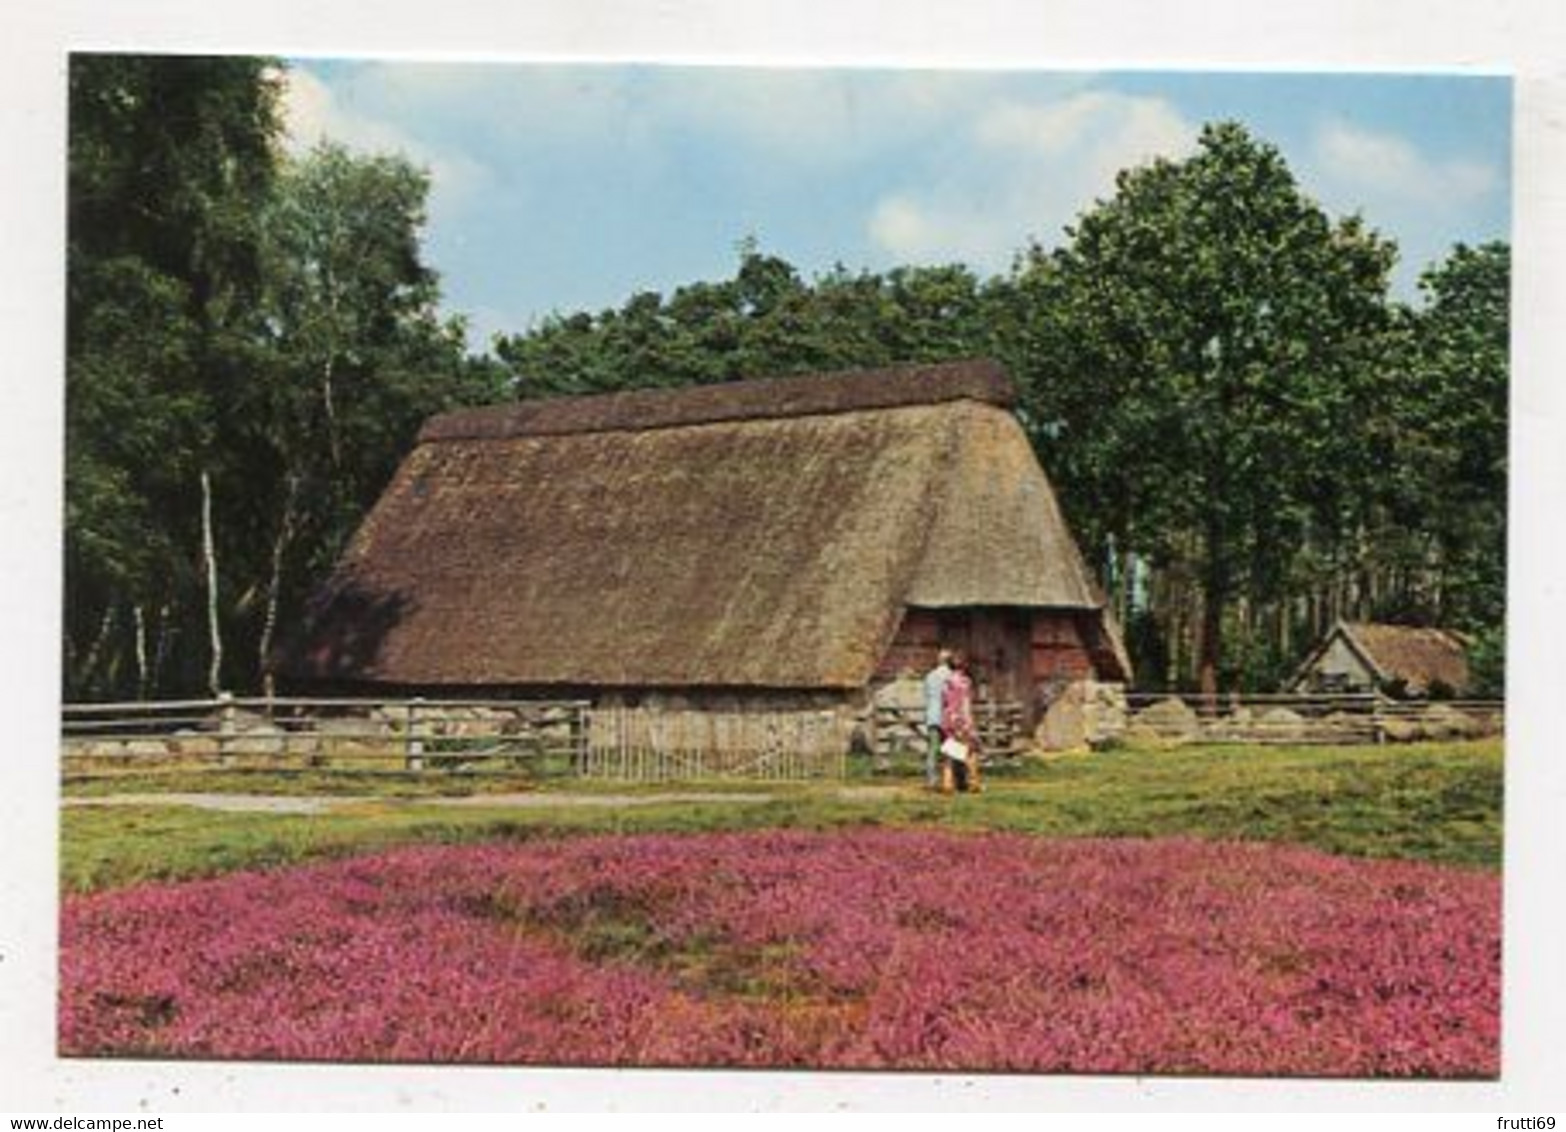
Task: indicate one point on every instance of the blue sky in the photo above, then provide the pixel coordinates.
(565, 187)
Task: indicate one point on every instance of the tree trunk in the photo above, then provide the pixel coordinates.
(285, 535)
(1209, 645)
(141, 652)
(1215, 593)
(209, 558)
(160, 650)
(329, 403)
(90, 663)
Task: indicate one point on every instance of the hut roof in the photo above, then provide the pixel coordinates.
(639, 410)
(1418, 657)
(761, 534)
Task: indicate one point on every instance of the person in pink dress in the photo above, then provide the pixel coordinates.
(957, 723)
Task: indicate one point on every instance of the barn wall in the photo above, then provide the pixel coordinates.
(1060, 649)
(912, 651)
(1016, 653)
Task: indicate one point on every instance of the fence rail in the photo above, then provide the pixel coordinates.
(899, 729)
(1305, 719)
(636, 744)
(655, 745)
(658, 744)
(279, 733)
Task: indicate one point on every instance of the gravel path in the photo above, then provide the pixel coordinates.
(228, 803)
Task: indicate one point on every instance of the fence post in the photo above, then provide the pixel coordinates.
(1377, 725)
(413, 747)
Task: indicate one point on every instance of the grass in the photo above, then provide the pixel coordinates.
(309, 781)
(1435, 802)
(365, 778)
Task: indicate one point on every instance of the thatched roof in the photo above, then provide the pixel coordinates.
(762, 534)
(1419, 658)
(768, 399)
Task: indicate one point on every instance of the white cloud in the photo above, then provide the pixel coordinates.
(1385, 167)
(313, 113)
(1031, 169)
(814, 116)
(818, 115)
(899, 223)
(1051, 128)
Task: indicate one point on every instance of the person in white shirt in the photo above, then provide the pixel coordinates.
(934, 695)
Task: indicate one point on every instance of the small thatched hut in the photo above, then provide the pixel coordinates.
(792, 541)
(1360, 656)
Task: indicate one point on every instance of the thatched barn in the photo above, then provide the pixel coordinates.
(788, 541)
(1359, 656)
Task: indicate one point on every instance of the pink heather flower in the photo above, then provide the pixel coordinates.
(858, 950)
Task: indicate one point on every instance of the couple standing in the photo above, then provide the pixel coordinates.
(952, 757)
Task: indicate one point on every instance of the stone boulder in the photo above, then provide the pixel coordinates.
(1346, 727)
(1083, 714)
(94, 749)
(1443, 721)
(146, 749)
(1167, 722)
(1279, 724)
(193, 744)
(1400, 730)
(902, 735)
(261, 739)
(906, 693)
(1064, 723)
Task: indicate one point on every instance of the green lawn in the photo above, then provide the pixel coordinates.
(1439, 802)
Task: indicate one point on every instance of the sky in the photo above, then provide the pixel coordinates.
(566, 187)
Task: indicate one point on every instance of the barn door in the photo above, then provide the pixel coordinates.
(998, 644)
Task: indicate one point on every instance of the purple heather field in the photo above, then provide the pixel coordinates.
(874, 949)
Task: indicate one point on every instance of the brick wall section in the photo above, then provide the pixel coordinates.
(1057, 648)
(913, 648)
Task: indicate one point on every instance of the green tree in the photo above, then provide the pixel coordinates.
(1463, 365)
(244, 331)
(766, 321)
(351, 355)
(1451, 443)
(1196, 358)
(169, 159)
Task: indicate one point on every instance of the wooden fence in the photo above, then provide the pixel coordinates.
(659, 745)
(634, 744)
(1305, 719)
(289, 733)
(899, 730)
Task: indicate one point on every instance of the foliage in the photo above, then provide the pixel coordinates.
(353, 356)
(875, 949)
(1487, 662)
(1450, 450)
(765, 322)
(169, 160)
(1197, 357)
(262, 320)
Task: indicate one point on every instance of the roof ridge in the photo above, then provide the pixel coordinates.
(799, 395)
